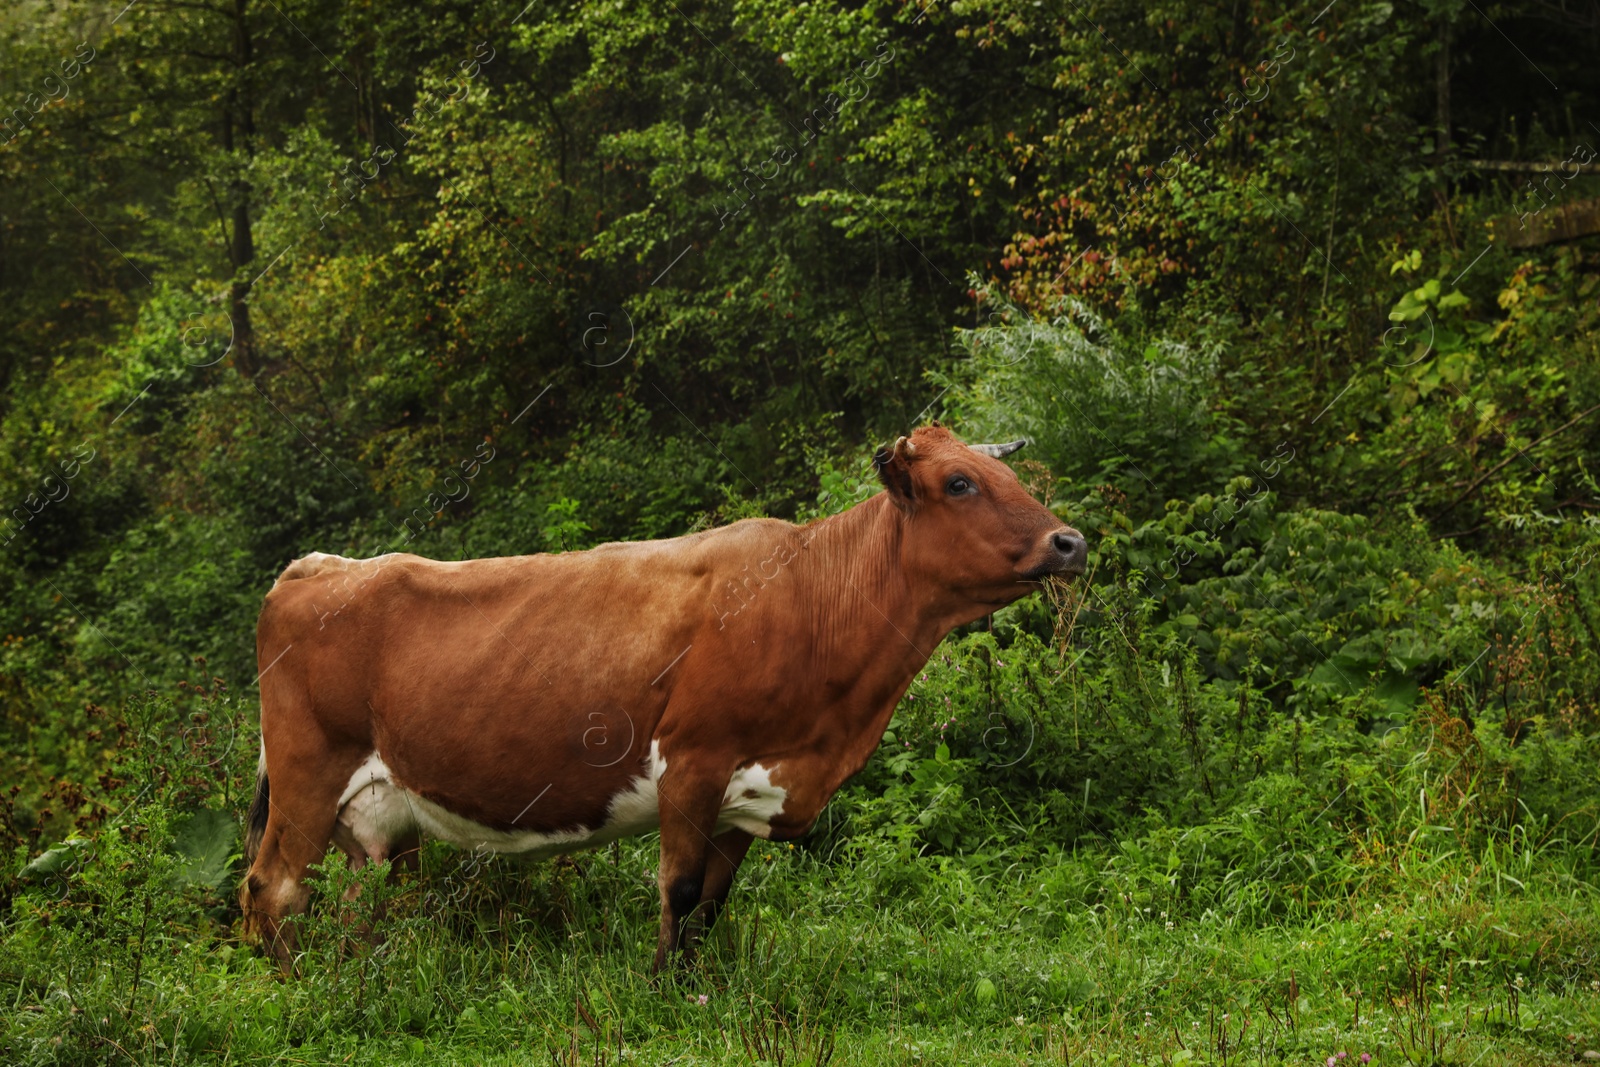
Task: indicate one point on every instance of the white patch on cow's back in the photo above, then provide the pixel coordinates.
(752, 801)
(379, 812)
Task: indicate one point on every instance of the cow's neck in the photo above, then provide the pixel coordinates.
(889, 621)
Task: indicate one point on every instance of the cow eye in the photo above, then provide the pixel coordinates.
(957, 486)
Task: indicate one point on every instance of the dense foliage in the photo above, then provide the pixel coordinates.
(1272, 290)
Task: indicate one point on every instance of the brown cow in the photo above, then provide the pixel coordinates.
(718, 686)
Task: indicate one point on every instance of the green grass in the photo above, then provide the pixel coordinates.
(1023, 955)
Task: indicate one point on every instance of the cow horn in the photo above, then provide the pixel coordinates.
(904, 447)
(998, 451)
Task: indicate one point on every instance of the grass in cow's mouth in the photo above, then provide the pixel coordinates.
(1065, 597)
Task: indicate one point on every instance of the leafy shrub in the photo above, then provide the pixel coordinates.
(1098, 405)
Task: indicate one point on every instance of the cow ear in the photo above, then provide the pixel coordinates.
(894, 471)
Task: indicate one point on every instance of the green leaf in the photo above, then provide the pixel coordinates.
(55, 860)
(1407, 263)
(1410, 307)
(205, 842)
(1398, 693)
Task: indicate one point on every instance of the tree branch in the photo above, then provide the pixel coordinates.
(1497, 468)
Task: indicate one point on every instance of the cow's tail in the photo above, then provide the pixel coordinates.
(256, 823)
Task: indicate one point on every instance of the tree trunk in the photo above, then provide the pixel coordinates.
(1441, 87)
(238, 117)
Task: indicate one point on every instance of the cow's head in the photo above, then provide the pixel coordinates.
(969, 522)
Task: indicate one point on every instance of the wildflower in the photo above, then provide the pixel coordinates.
(1595, 985)
(1342, 1055)
(1386, 933)
(703, 998)
(1169, 924)
(1333, 1061)
(1020, 1021)
(1518, 982)
(1366, 1057)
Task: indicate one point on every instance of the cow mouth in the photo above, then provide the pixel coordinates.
(1040, 574)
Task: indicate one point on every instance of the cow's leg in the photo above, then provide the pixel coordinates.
(366, 832)
(688, 820)
(722, 863)
(406, 855)
(359, 857)
(401, 853)
(727, 852)
(300, 820)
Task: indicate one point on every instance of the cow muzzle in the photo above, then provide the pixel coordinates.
(1069, 552)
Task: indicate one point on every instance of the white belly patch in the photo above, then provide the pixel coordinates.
(752, 801)
(379, 812)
